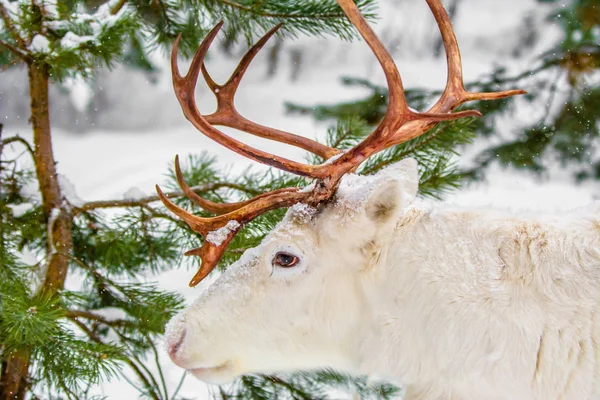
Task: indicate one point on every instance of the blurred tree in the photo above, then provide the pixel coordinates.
(564, 82)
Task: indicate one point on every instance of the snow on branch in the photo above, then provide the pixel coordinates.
(6, 9)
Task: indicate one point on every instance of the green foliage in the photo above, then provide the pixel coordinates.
(29, 321)
(36, 322)
(69, 364)
(246, 18)
(567, 135)
(569, 129)
(68, 43)
(127, 245)
(74, 37)
(570, 138)
(309, 385)
(71, 343)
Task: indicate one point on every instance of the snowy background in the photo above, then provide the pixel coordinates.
(120, 131)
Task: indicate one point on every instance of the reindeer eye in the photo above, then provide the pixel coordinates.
(285, 260)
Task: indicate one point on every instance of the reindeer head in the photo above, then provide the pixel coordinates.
(299, 299)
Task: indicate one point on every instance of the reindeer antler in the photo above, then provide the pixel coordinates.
(399, 125)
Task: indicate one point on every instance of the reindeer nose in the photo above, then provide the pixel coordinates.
(175, 338)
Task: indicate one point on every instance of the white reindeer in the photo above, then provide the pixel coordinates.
(457, 304)
(361, 276)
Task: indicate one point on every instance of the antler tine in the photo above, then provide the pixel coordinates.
(398, 109)
(237, 75)
(396, 97)
(234, 80)
(455, 92)
(212, 207)
(210, 252)
(197, 224)
(184, 90)
(258, 205)
(227, 115)
(186, 85)
(454, 82)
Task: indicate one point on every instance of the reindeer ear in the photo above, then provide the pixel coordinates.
(397, 185)
(385, 201)
(406, 171)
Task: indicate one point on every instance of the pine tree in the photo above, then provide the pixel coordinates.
(565, 84)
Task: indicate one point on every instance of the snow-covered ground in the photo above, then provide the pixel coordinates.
(105, 163)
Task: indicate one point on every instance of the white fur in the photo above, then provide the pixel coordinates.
(455, 304)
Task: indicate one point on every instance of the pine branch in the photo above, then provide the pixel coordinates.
(154, 387)
(495, 80)
(135, 361)
(151, 199)
(159, 368)
(76, 314)
(9, 64)
(179, 386)
(168, 217)
(253, 10)
(19, 139)
(95, 338)
(17, 52)
(11, 29)
(87, 331)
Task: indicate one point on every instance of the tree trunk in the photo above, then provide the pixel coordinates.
(15, 376)
(56, 210)
(14, 381)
